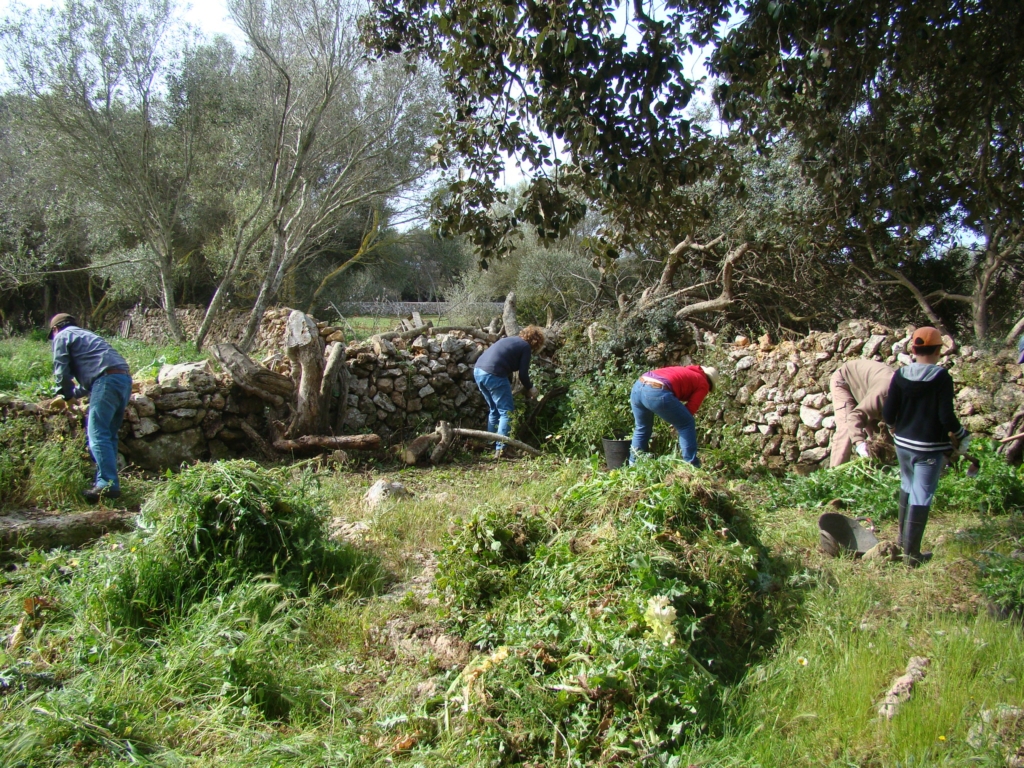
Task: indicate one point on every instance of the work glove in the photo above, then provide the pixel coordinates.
(534, 393)
(862, 450)
(965, 443)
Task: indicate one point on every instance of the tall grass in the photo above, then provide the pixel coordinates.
(26, 363)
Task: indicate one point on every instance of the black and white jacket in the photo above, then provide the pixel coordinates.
(919, 408)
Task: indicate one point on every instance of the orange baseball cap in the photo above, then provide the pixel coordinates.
(927, 337)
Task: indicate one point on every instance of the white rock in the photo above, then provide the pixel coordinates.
(382, 491)
(746, 363)
(811, 417)
(872, 345)
(829, 422)
(813, 455)
(814, 400)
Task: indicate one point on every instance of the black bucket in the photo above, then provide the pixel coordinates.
(616, 452)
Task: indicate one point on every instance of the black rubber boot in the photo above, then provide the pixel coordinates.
(913, 533)
(902, 516)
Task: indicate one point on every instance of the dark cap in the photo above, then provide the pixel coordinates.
(59, 321)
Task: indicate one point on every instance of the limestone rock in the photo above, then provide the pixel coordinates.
(197, 377)
(166, 450)
(382, 491)
(811, 417)
(746, 363)
(177, 400)
(813, 455)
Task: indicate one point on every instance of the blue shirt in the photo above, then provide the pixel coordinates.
(505, 356)
(82, 355)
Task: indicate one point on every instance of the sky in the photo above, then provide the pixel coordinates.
(211, 16)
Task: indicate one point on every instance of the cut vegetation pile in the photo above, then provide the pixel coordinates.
(608, 622)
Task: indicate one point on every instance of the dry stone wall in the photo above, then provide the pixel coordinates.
(782, 397)
(396, 388)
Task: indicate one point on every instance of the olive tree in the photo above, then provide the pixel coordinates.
(95, 73)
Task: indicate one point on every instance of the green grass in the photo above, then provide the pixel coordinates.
(272, 663)
(26, 363)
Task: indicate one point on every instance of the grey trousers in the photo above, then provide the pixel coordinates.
(919, 474)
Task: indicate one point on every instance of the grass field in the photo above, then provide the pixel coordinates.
(374, 670)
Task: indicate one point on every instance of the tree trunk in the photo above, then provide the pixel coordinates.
(35, 528)
(167, 300)
(979, 307)
(508, 315)
(305, 349)
(252, 378)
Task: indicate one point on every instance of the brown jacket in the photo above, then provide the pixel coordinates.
(858, 389)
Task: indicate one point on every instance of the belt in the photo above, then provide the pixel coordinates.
(653, 383)
(111, 371)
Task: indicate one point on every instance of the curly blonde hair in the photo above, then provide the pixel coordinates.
(533, 336)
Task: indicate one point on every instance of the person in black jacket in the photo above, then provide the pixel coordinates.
(919, 408)
(493, 374)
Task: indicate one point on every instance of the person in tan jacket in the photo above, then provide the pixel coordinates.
(858, 392)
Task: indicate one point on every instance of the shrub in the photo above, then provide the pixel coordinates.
(1001, 580)
(214, 526)
(871, 489)
(610, 620)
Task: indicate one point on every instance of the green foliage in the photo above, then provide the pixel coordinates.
(60, 469)
(214, 526)
(19, 439)
(1001, 580)
(560, 598)
(599, 407)
(870, 489)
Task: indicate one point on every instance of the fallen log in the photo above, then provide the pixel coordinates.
(257, 439)
(45, 530)
(439, 441)
(320, 443)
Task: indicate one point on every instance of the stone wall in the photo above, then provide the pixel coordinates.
(150, 325)
(782, 395)
(396, 390)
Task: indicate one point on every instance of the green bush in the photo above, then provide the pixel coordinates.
(611, 620)
(871, 489)
(1001, 580)
(217, 525)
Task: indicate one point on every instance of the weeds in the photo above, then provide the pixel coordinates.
(870, 489)
(559, 598)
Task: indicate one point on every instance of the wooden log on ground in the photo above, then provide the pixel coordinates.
(477, 434)
(46, 530)
(417, 449)
(321, 443)
(257, 439)
(264, 383)
(447, 438)
(305, 349)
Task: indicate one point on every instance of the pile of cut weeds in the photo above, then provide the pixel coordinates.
(610, 623)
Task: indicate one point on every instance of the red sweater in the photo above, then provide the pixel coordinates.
(688, 383)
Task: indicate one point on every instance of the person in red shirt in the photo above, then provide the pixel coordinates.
(674, 394)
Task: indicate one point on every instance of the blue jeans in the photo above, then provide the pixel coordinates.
(919, 474)
(497, 391)
(648, 402)
(107, 401)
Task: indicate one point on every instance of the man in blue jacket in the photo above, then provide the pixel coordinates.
(100, 372)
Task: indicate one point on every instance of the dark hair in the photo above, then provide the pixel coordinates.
(926, 350)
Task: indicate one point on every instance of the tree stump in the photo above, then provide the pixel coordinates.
(262, 382)
(305, 349)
